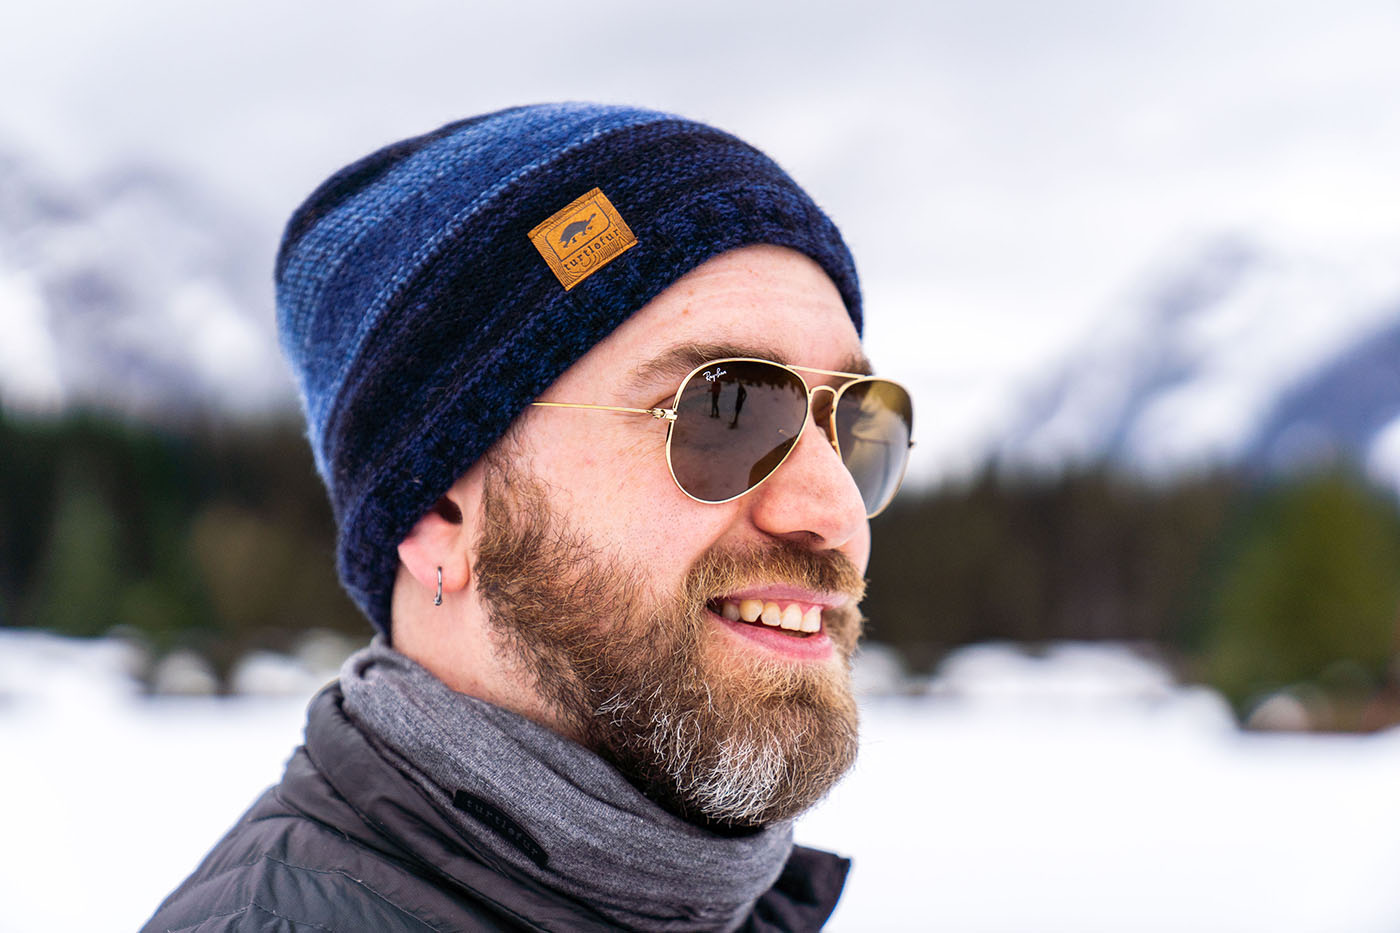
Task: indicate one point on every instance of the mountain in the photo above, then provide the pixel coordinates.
(136, 292)
(141, 292)
(1241, 352)
(1347, 407)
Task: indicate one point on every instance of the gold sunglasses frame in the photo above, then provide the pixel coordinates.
(669, 416)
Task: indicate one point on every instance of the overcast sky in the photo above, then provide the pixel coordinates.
(1005, 171)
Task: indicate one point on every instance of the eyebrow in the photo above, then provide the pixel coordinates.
(674, 363)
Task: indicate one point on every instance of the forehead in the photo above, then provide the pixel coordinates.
(763, 301)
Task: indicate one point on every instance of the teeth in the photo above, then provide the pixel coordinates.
(791, 618)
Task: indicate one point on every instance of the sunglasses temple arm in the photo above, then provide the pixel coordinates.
(660, 414)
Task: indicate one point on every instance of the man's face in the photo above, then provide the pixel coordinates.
(610, 587)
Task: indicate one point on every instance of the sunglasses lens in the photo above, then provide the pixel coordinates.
(874, 421)
(735, 422)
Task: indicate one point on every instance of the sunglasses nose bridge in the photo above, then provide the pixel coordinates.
(821, 410)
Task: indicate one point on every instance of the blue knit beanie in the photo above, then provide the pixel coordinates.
(423, 305)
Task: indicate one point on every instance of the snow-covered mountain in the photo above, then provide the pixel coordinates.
(142, 293)
(1350, 406)
(136, 292)
(1242, 352)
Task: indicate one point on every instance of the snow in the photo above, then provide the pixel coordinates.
(1383, 465)
(28, 354)
(1079, 790)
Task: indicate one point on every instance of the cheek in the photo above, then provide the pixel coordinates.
(615, 485)
(858, 549)
(592, 462)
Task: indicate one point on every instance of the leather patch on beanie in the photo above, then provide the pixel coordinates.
(582, 238)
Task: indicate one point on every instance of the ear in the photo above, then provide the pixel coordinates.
(443, 537)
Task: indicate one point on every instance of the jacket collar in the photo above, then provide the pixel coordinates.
(380, 807)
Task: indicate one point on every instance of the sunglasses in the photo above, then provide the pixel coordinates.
(734, 421)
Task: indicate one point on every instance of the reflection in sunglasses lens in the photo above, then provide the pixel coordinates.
(874, 421)
(735, 422)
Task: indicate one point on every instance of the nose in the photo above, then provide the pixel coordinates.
(812, 497)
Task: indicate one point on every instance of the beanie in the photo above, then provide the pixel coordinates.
(427, 293)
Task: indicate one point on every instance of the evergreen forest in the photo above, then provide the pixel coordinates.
(218, 538)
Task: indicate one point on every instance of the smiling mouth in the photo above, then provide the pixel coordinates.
(793, 618)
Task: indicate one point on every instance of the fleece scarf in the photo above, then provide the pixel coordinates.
(552, 810)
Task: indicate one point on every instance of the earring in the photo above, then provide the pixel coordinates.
(437, 600)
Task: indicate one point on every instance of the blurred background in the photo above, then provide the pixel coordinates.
(1134, 657)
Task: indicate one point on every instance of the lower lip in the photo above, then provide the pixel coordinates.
(815, 647)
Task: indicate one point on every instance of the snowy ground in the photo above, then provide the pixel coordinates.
(1081, 792)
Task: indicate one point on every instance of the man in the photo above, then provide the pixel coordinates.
(608, 540)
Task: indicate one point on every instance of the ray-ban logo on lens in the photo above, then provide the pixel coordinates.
(713, 375)
(582, 238)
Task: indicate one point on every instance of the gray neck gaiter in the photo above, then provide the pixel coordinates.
(554, 811)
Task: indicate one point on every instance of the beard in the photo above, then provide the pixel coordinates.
(719, 738)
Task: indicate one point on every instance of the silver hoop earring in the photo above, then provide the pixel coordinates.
(437, 600)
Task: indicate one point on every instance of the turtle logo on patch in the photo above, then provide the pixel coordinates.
(575, 229)
(582, 238)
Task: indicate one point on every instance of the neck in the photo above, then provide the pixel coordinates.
(455, 643)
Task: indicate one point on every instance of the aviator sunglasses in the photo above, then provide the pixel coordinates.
(735, 420)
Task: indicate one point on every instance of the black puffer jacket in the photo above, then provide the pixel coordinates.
(346, 843)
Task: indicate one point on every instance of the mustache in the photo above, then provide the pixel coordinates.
(724, 570)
